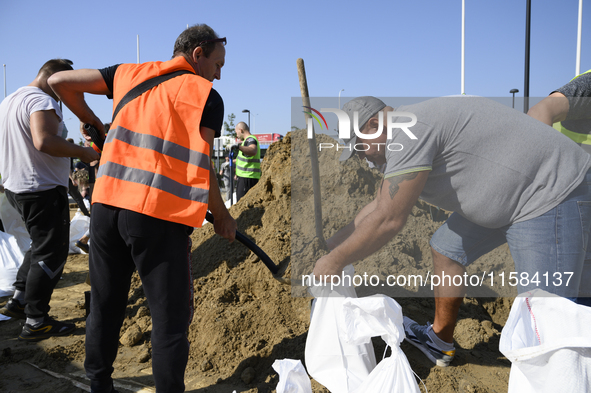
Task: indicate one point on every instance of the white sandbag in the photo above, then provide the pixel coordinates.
(11, 259)
(548, 340)
(339, 366)
(293, 378)
(78, 227)
(372, 316)
(14, 224)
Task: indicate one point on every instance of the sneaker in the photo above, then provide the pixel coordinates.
(418, 336)
(49, 328)
(83, 246)
(14, 309)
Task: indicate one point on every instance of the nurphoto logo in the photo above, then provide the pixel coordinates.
(345, 128)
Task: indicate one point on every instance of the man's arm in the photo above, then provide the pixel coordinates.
(551, 109)
(44, 130)
(70, 87)
(249, 150)
(224, 224)
(397, 196)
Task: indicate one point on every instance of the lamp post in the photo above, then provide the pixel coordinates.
(342, 90)
(247, 111)
(513, 91)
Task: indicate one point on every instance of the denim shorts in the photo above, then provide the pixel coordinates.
(551, 251)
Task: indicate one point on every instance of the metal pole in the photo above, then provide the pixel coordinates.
(232, 172)
(247, 111)
(218, 147)
(527, 40)
(579, 29)
(340, 97)
(513, 91)
(462, 85)
(138, 49)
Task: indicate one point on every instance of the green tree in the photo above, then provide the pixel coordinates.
(229, 127)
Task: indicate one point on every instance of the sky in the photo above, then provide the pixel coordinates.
(396, 48)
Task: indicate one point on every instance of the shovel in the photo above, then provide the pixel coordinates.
(252, 247)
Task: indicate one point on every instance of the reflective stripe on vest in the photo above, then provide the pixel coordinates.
(154, 160)
(579, 137)
(249, 167)
(160, 145)
(154, 180)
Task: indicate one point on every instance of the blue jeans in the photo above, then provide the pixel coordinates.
(551, 252)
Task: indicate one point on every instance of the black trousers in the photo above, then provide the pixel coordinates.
(244, 184)
(122, 241)
(46, 215)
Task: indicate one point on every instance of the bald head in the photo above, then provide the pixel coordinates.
(242, 130)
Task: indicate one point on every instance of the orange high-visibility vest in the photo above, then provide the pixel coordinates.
(154, 160)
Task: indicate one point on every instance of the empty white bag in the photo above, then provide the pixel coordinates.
(78, 227)
(372, 316)
(548, 340)
(292, 376)
(11, 258)
(14, 224)
(340, 366)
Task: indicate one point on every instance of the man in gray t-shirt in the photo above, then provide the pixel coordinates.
(35, 167)
(225, 169)
(507, 178)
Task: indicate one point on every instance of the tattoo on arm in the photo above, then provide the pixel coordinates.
(396, 180)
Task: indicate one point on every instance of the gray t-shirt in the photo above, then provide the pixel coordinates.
(23, 167)
(225, 167)
(490, 163)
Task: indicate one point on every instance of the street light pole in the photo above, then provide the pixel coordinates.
(342, 90)
(527, 48)
(513, 91)
(247, 111)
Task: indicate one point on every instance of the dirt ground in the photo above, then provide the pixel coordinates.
(245, 319)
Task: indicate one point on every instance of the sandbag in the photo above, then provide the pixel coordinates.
(548, 340)
(292, 376)
(372, 316)
(78, 227)
(11, 258)
(340, 366)
(14, 224)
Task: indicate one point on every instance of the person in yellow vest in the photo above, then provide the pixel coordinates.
(248, 162)
(155, 184)
(568, 109)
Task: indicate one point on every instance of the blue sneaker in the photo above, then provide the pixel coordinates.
(418, 336)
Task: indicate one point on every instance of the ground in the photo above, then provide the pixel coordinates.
(245, 318)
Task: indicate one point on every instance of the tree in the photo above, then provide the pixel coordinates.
(229, 127)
